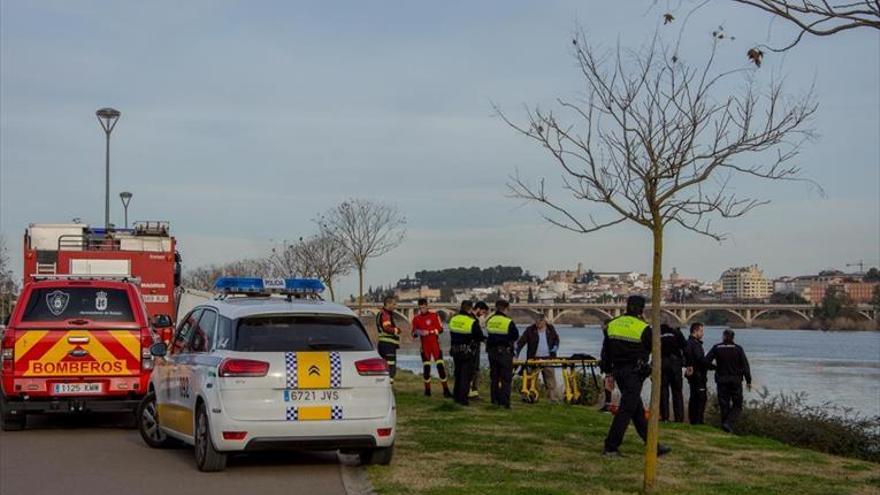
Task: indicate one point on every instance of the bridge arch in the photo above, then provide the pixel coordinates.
(674, 317)
(698, 312)
(791, 311)
(596, 311)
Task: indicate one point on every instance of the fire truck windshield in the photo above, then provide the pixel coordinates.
(67, 303)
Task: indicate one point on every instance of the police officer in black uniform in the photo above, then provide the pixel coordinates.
(625, 351)
(464, 331)
(731, 367)
(480, 310)
(672, 346)
(697, 373)
(503, 334)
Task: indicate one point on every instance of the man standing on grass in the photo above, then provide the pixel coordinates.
(731, 367)
(542, 342)
(499, 346)
(481, 309)
(426, 325)
(672, 346)
(697, 373)
(388, 335)
(625, 352)
(464, 330)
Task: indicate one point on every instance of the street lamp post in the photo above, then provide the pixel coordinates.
(125, 196)
(108, 118)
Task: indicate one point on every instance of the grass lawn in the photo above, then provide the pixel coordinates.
(543, 448)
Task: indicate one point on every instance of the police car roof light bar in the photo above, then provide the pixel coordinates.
(258, 286)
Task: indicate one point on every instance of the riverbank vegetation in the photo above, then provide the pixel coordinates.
(790, 419)
(547, 448)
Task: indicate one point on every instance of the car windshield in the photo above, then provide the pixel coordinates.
(296, 333)
(71, 303)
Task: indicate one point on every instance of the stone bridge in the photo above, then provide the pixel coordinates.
(673, 313)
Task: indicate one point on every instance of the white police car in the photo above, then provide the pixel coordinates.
(268, 364)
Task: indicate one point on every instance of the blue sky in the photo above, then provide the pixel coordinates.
(241, 121)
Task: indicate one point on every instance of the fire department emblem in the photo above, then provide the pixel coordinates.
(101, 301)
(57, 302)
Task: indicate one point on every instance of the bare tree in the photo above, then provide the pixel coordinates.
(365, 229)
(325, 258)
(8, 285)
(822, 17)
(656, 142)
(203, 277)
(286, 262)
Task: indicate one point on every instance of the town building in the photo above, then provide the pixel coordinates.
(745, 283)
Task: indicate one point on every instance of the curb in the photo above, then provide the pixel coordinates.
(354, 476)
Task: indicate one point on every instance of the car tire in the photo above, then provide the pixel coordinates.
(147, 419)
(208, 459)
(9, 422)
(379, 456)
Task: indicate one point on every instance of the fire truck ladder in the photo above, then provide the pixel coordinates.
(47, 268)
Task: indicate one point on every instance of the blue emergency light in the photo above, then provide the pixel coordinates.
(254, 285)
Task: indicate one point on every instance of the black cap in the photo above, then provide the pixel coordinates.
(635, 304)
(481, 305)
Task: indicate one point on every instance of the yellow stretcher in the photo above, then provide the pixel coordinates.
(531, 368)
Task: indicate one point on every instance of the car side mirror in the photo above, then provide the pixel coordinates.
(162, 321)
(159, 349)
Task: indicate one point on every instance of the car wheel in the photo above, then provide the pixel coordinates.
(147, 417)
(208, 459)
(378, 456)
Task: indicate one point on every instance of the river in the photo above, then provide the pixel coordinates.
(840, 368)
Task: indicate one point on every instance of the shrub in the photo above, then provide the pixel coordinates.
(827, 428)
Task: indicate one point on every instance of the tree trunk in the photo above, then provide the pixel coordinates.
(330, 288)
(654, 423)
(360, 289)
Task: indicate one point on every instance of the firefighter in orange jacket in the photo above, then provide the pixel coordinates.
(388, 335)
(426, 324)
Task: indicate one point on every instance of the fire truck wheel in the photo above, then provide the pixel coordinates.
(208, 459)
(12, 423)
(147, 417)
(9, 422)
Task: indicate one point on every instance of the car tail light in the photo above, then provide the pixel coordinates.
(243, 367)
(372, 366)
(383, 432)
(234, 435)
(7, 351)
(146, 357)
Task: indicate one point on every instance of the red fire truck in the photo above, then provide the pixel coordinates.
(146, 252)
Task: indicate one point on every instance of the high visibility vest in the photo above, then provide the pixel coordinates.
(461, 324)
(628, 328)
(383, 336)
(498, 324)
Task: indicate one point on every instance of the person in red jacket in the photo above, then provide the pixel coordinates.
(426, 324)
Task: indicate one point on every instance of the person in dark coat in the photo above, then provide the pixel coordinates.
(731, 368)
(697, 372)
(672, 346)
(541, 341)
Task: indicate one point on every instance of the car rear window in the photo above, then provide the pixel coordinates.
(70, 303)
(296, 333)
